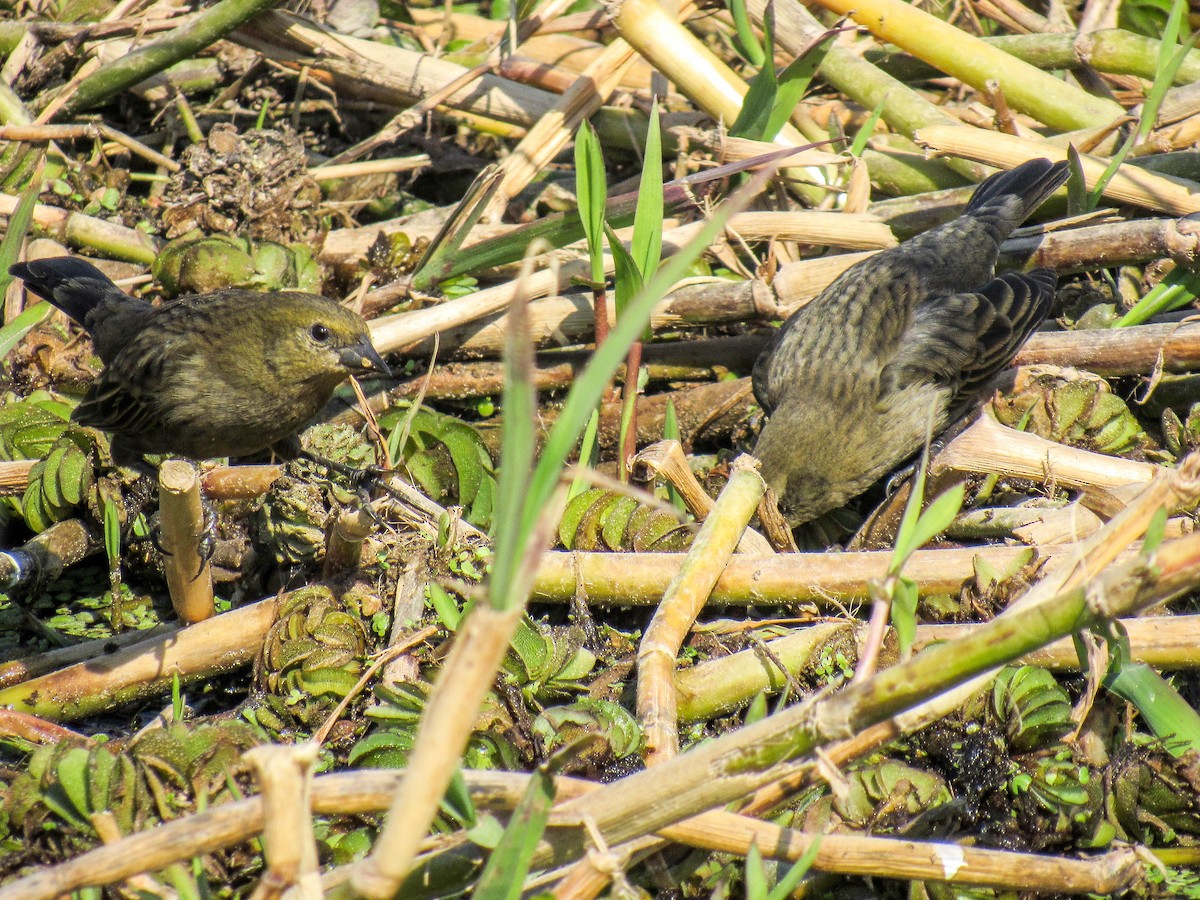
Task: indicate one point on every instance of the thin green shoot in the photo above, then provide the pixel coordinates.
(632, 269)
(859, 144)
(1177, 290)
(646, 245)
(1170, 58)
(517, 448)
(1168, 715)
(1077, 193)
(756, 876)
(916, 529)
(10, 249)
(589, 454)
(504, 875)
(772, 97)
(671, 433)
(592, 381)
(437, 263)
(745, 41)
(591, 187)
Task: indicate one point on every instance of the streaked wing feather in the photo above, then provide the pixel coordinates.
(124, 397)
(964, 339)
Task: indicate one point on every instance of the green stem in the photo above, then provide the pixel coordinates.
(1113, 51)
(121, 74)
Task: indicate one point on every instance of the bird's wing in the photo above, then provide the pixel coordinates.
(760, 376)
(964, 339)
(124, 398)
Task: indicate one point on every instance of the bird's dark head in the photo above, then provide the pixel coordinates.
(323, 339)
(803, 496)
(816, 457)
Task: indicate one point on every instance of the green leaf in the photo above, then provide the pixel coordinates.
(504, 875)
(904, 614)
(1155, 532)
(1179, 288)
(463, 442)
(438, 260)
(864, 133)
(591, 187)
(458, 802)
(905, 544)
(744, 39)
(787, 885)
(628, 280)
(445, 606)
(646, 246)
(752, 118)
(1077, 195)
(1169, 61)
(937, 516)
(72, 771)
(589, 454)
(590, 384)
(18, 225)
(112, 528)
(756, 875)
(511, 524)
(1164, 711)
(671, 433)
(757, 710)
(12, 333)
(793, 82)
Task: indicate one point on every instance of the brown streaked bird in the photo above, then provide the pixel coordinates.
(851, 380)
(229, 373)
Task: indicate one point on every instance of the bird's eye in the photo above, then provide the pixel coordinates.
(320, 333)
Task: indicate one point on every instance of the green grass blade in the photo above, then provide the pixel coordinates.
(646, 246)
(744, 38)
(588, 387)
(628, 279)
(504, 875)
(512, 528)
(787, 885)
(793, 82)
(10, 249)
(12, 333)
(589, 453)
(752, 118)
(1077, 193)
(591, 187)
(18, 224)
(1179, 288)
(905, 544)
(937, 516)
(1166, 713)
(438, 260)
(859, 144)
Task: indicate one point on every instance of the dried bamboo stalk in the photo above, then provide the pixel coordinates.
(1129, 185)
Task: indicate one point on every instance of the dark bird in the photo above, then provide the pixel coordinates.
(229, 373)
(852, 380)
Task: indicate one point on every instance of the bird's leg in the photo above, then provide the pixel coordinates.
(363, 481)
(208, 535)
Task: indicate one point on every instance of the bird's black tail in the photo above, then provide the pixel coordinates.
(1029, 183)
(73, 285)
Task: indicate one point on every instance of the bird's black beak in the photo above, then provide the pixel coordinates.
(363, 358)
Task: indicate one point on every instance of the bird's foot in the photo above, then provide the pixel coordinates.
(363, 481)
(207, 548)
